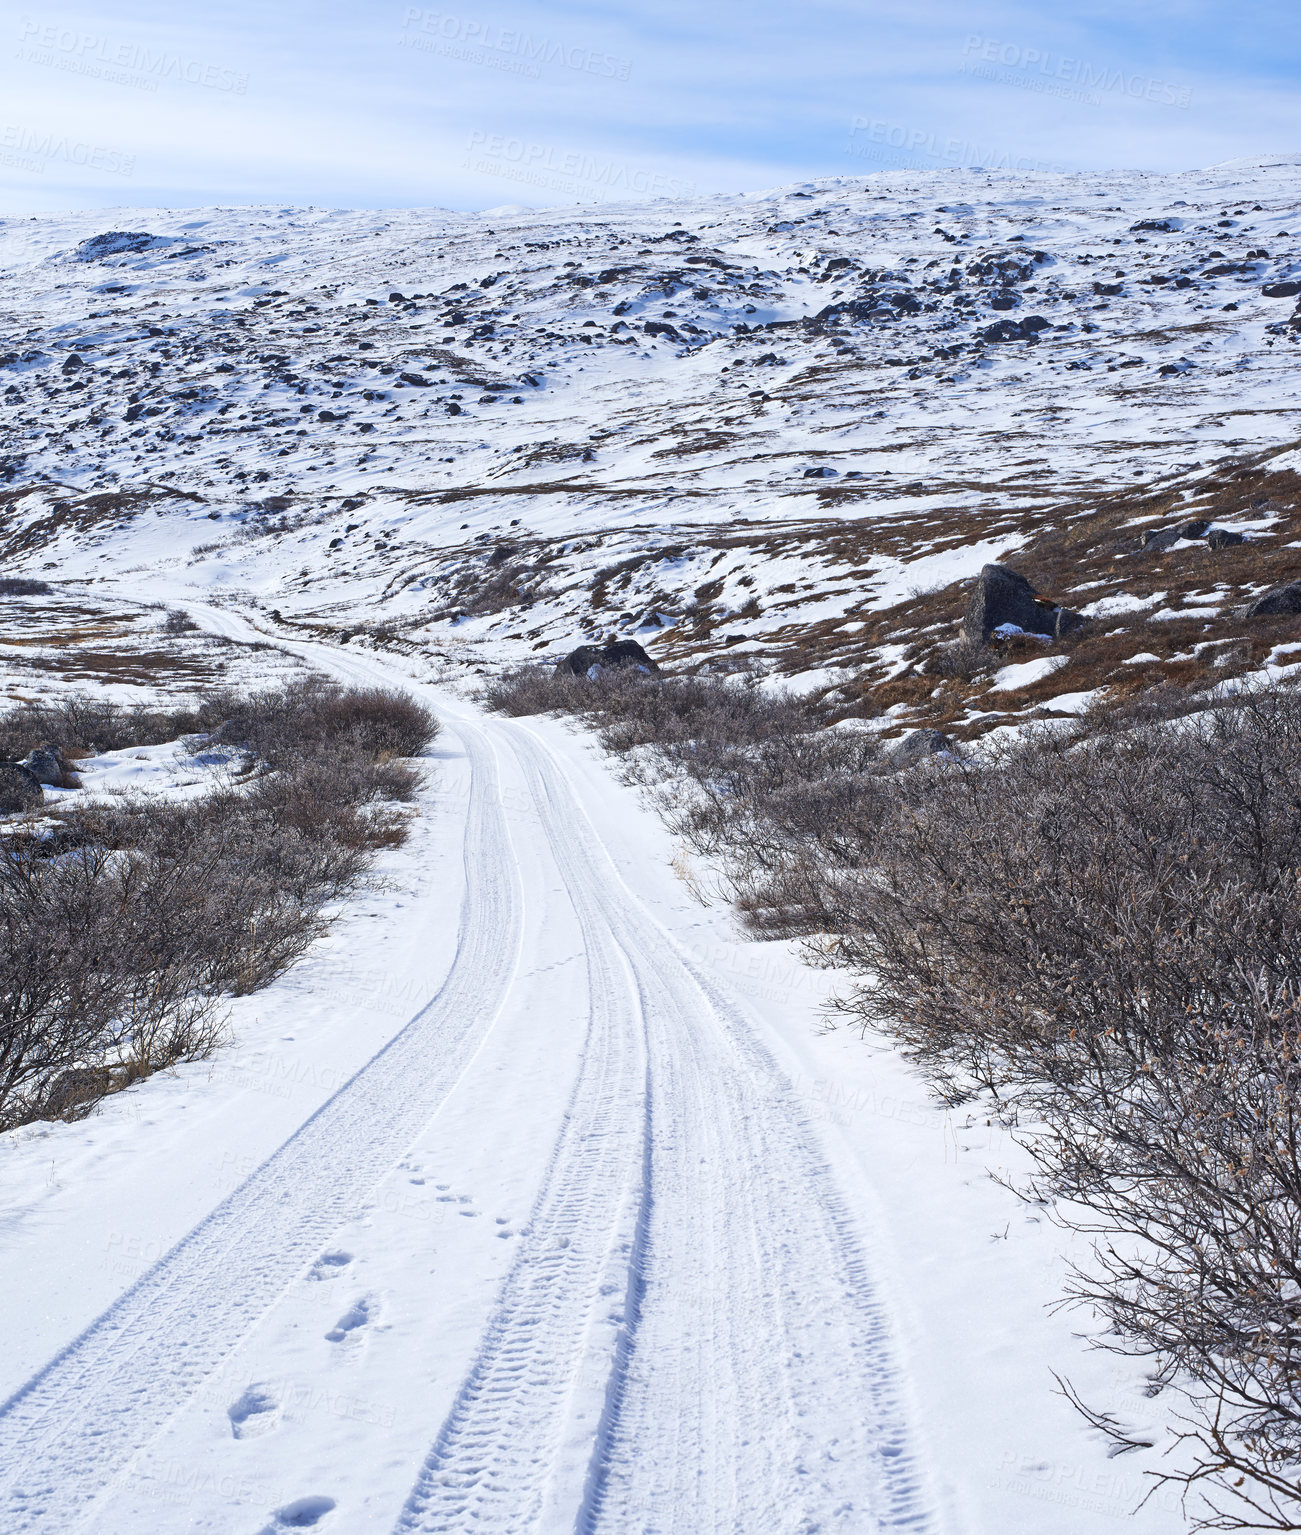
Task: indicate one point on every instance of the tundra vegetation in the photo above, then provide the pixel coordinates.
(127, 922)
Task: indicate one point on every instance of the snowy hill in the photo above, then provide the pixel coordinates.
(751, 424)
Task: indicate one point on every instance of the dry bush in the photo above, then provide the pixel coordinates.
(282, 725)
(179, 622)
(537, 689)
(1106, 934)
(83, 723)
(123, 932)
(23, 586)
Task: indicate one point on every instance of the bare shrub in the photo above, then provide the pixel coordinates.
(179, 622)
(83, 723)
(122, 934)
(23, 586)
(536, 689)
(964, 658)
(283, 724)
(1106, 934)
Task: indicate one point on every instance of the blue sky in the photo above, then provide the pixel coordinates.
(478, 103)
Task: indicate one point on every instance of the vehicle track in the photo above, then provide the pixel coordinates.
(749, 1379)
(73, 1427)
(514, 1452)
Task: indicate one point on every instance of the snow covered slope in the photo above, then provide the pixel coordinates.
(733, 422)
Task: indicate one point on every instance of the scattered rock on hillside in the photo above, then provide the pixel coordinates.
(1000, 596)
(1278, 600)
(1195, 529)
(588, 658)
(44, 765)
(1159, 538)
(116, 242)
(915, 747)
(1016, 330)
(20, 789)
(1224, 538)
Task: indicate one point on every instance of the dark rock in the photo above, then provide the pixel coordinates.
(1004, 301)
(418, 380)
(915, 747)
(1107, 289)
(1158, 538)
(116, 242)
(44, 764)
(580, 662)
(1281, 289)
(20, 789)
(658, 328)
(1224, 538)
(822, 473)
(1278, 600)
(1000, 596)
(1194, 529)
(1157, 226)
(327, 415)
(1016, 330)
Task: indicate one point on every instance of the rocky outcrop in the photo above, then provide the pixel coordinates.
(1278, 601)
(588, 659)
(1224, 538)
(915, 747)
(1000, 597)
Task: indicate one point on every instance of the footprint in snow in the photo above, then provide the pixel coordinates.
(301, 1514)
(329, 1265)
(256, 1412)
(357, 1316)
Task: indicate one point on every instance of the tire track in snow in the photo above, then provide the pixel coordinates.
(73, 1427)
(760, 1389)
(514, 1451)
(745, 1375)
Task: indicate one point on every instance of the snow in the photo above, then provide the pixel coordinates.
(1024, 673)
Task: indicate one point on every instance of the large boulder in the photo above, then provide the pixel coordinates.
(589, 658)
(1000, 596)
(1277, 601)
(579, 662)
(1224, 538)
(20, 789)
(915, 747)
(44, 764)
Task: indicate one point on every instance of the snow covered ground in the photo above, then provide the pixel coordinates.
(505, 427)
(535, 1199)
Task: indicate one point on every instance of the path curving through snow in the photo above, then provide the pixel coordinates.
(685, 1335)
